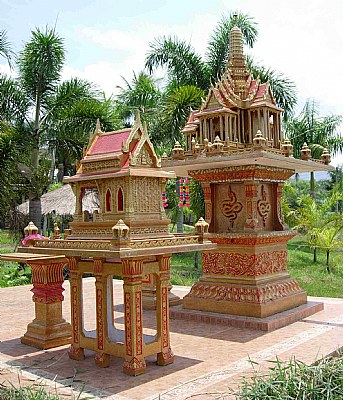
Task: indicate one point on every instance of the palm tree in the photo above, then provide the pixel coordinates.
(186, 67)
(39, 101)
(318, 132)
(6, 48)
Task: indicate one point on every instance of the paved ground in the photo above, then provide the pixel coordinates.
(210, 359)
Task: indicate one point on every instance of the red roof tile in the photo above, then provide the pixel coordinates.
(109, 143)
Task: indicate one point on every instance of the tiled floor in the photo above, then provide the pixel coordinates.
(209, 358)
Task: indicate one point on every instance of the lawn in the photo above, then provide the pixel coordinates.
(312, 277)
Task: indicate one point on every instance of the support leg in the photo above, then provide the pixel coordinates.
(75, 352)
(166, 355)
(101, 359)
(134, 363)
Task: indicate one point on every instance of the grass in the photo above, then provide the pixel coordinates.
(34, 392)
(314, 278)
(296, 380)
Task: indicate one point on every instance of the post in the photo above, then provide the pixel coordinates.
(134, 363)
(166, 356)
(48, 329)
(76, 352)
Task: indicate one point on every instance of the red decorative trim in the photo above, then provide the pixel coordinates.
(235, 174)
(99, 319)
(165, 317)
(134, 364)
(253, 241)
(139, 324)
(75, 312)
(98, 265)
(165, 263)
(244, 264)
(132, 267)
(47, 294)
(260, 295)
(128, 332)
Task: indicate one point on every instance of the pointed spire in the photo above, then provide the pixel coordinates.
(97, 127)
(237, 65)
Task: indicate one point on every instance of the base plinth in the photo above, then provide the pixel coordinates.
(46, 337)
(252, 301)
(267, 324)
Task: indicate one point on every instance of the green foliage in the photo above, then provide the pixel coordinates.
(296, 380)
(34, 392)
(318, 132)
(5, 47)
(13, 274)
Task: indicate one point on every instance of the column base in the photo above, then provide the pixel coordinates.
(165, 358)
(102, 360)
(261, 300)
(76, 353)
(48, 329)
(149, 300)
(134, 366)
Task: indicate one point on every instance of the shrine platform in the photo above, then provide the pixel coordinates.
(209, 358)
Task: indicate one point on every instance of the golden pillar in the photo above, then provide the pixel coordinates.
(76, 352)
(134, 363)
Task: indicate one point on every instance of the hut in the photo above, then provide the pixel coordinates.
(59, 206)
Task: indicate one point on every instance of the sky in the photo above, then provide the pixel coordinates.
(109, 39)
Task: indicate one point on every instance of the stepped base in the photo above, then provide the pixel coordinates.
(268, 324)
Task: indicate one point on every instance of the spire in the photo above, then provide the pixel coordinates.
(237, 65)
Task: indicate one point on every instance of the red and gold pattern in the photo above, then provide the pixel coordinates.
(99, 319)
(165, 318)
(165, 358)
(249, 240)
(134, 365)
(128, 331)
(253, 295)
(240, 173)
(132, 267)
(75, 312)
(237, 264)
(139, 324)
(47, 280)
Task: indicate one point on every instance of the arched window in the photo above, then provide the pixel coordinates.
(120, 200)
(108, 200)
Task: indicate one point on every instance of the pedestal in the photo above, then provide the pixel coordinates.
(246, 275)
(48, 329)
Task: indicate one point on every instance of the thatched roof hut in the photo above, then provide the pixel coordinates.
(62, 202)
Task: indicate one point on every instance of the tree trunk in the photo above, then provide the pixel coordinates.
(315, 255)
(35, 212)
(196, 260)
(312, 192)
(327, 261)
(52, 165)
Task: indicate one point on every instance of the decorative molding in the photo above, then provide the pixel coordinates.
(253, 295)
(244, 264)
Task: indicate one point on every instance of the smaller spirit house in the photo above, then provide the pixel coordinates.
(236, 107)
(122, 168)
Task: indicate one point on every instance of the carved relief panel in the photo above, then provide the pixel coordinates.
(229, 207)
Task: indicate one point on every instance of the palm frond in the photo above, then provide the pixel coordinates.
(183, 64)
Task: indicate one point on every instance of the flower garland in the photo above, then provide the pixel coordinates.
(184, 193)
